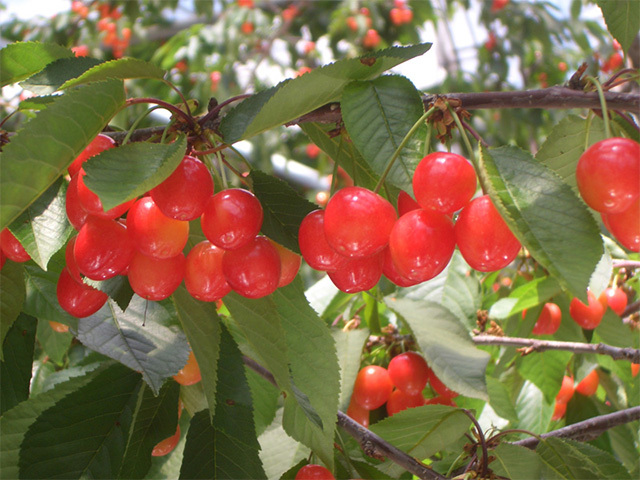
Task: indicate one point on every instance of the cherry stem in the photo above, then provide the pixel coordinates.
(172, 108)
(137, 122)
(483, 442)
(628, 119)
(603, 105)
(610, 82)
(217, 149)
(184, 100)
(216, 110)
(463, 133)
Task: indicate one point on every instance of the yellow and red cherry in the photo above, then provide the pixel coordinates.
(190, 373)
(203, 275)
(155, 278)
(358, 274)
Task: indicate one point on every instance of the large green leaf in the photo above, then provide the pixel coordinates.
(612, 331)
(140, 337)
(534, 413)
(545, 215)
(56, 73)
(296, 97)
(15, 368)
(500, 400)
(446, 345)
(55, 344)
(265, 400)
(120, 174)
(19, 60)
(12, 294)
(38, 154)
(119, 69)
(545, 370)
(514, 462)
(526, 296)
(378, 114)
(622, 18)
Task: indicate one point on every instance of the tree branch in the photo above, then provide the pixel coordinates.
(535, 345)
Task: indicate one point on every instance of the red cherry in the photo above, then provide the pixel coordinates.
(232, 218)
(396, 16)
(635, 369)
(588, 317)
(357, 222)
(92, 204)
(167, 445)
(371, 39)
(155, 278)
(358, 413)
(440, 388)
(3, 259)
(203, 275)
(548, 321)
(247, 28)
(607, 174)
(352, 23)
(184, 194)
(615, 298)
(70, 259)
(314, 472)
(498, 5)
(409, 372)
(421, 244)
(253, 270)
(399, 400)
(406, 203)
(12, 248)
(558, 411)
(625, 226)
(589, 384)
(566, 390)
(358, 274)
(483, 237)
(58, 327)
(314, 247)
(102, 248)
(153, 233)
(190, 373)
(444, 182)
(76, 213)
(76, 298)
(372, 387)
(390, 271)
(312, 150)
(491, 42)
(289, 264)
(97, 145)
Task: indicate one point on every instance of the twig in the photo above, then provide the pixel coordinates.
(482, 440)
(535, 345)
(626, 264)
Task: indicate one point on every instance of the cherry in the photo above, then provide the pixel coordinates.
(3, 259)
(70, 259)
(406, 203)
(390, 271)
(615, 298)
(372, 387)
(92, 204)
(358, 274)
(491, 42)
(548, 321)
(635, 369)
(587, 316)
(58, 327)
(625, 226)
(589, 384)
(78, 299)
(358, 413)
(358, 222)
(399, 400)
(155, 278)
(102, 248)
(444, 182)
(498, 5)
(99, 144)
(313, 244)
(247, 27)
(440, 388)
(559, 410)
(371, 39)
(253, 270)
(409, 372)
(76, 213)
(421, 244)
(184, 194)
(607, 174)
(167, 445)
(190, 373)
(566, 390)
(314, 472)
(153, 233)
(12, 248)
(483, 237)
(203, 275)
(232, 218)
(289, 264)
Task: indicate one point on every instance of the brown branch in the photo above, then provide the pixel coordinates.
(535, 345)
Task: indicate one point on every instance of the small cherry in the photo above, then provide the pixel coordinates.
(372, 387)
(589, 384)
(78, 299)
(358, 274)
(203, 275)
(587, 316)
(549, 320)
(313, 244)
(167, 445)
(314, 472)
(155, 278)
(399, 400)
(409, 372)
(615, 298)
(190, 373)
(12, 248)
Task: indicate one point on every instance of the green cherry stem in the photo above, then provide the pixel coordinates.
(463, 134)
(603, 105)
(137, 122)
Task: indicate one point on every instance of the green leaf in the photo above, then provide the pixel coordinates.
(279, 452)
(118, 289)
(526, 296)
(378, 114)
(12, 294)
(119, 174)
(349, 345)
(19, 60)
(37, 103)
(622, 18)
(43, 228)
(284, 209)
(265, 400)
(545, 215)
(534, 413)
(15, 368)
(140, 337)
(421, 431)
(500, 400)
(55, 344)
(121, 69)
(446, 345)
(295, 97)
(82, 434)
(515, 462)
(38, 154)
(545, 370)
(56, 73)
(612, 331)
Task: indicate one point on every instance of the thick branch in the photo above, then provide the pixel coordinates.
(535, 345)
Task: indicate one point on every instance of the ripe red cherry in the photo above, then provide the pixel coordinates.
(615, 298)
(559, 410)
(399, 400)
(566, 390)
(153, 233)
(313, 244)
(390, 271)
(289, 264)
(70, 259)
(232, 218)
(190, 373)
(625, 226)
(587, 316)
(358, 222)
(358, 274)
(409, 372)
(253, 270)
(76, 213)
(498, 5)
(483, 237)
(92, 204)
(548, 321)
(102, 248)
(440, 388)
(406, 203)
(372, 387)
(314, 472)
(607, 174)
(155, 278)
(203, 275)
(371, 39)
(444, 182)
(12, 248)
(99, 144)
(184, 194)
(358, 413)
(76, 298)
(589, 384)
(421, 244)
(167, 445)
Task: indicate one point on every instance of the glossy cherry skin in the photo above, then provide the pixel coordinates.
(184, 194)
(358, 274)
(313, 244)
(203, 275)
(444, 182)
(155, 278)
(549, 320)
(12, 248)
(99, 144)
(232, 218)
(566, 390)
(289, 264)
(314, 472)
(399, 400)
(358, 413)
(440, 388)
(587, 316)
(167, 445)
(390, 271)
(614, 298)
(253, 270)
(76, 213)
(635, 369)
(625, 226)
(372, 387)
(102, 248)
(607, 174)
(409, 372)
(358, 222)
(190, 373)
(153, 233)
(589, 384)
(92, 204)
(483, 237)
(422, 244)
(406, 203)
(70, 259)
(76, 298)
(559, 410)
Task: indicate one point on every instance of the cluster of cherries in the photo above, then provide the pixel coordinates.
(399, 386)
(587, 387)
(358, 237)
(107, 23)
